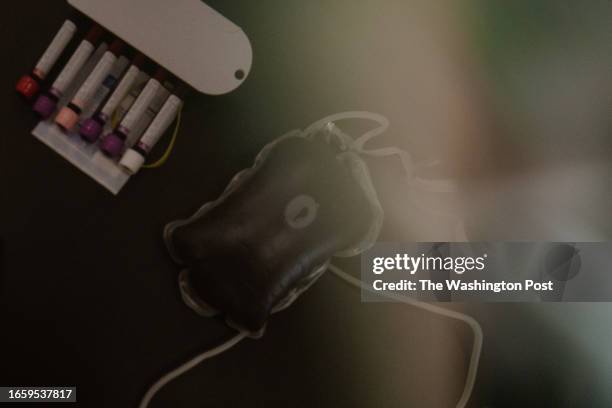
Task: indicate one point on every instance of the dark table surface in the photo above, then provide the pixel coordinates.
(88, 295)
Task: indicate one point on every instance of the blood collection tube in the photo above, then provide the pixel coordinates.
(113, 143)
(68, 116)
(92, 128)
(29, 84)
(108, 85)
(45, 104)
(134, 157)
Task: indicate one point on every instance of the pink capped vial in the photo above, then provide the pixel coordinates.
(68, 116)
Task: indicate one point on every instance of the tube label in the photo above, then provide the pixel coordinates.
(121, 91)
(140, 105)
(55, 49)
(94, 80)
(74, 64)
(147, 117)
(107, 86)
(160, 124)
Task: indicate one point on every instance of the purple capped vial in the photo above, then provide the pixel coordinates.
(91, 129)
(112, 144)
(45, 105)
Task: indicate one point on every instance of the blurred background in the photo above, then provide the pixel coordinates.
(511, 100)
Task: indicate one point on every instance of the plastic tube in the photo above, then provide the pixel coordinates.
(68, 116)
(46, 103)
(92, 128)
(134, 158)
(112, 145)
(29, 84)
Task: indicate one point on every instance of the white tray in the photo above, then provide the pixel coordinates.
(187, 37)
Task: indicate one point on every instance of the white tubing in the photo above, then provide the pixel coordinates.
(470, 321)
(357, 145)
(182, 369)
(433, 186)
